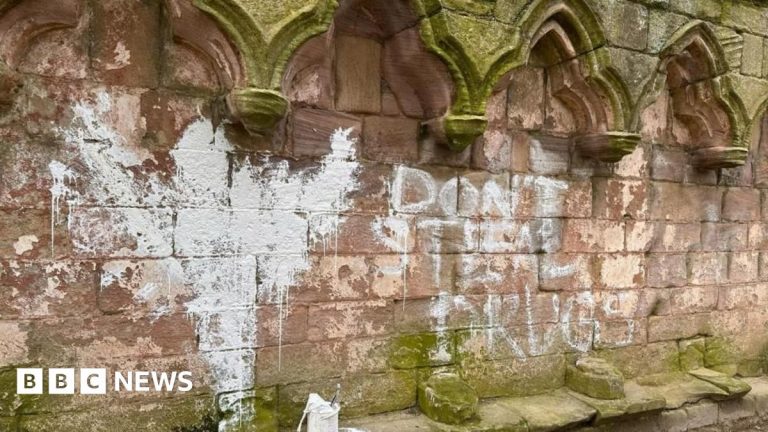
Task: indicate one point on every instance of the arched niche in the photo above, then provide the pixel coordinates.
(574, 95)
(696, 109)
(478, 66)
(42, 37)
(372, 72)
(198, 42)
(50, 38)
(26, 22)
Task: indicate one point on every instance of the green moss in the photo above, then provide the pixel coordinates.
(208, 424)
(516, 377)
(259, 110)
(8, 424)
(259, 406)
(721, 355)
(474, 7)
(265, 410)
(462, 131)
(8, 398)
(447, 398)
(692, 354)
(12, 404)
(596, 378)
(422, 350)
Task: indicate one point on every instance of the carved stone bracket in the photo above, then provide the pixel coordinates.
(608, 146)
(719, 157)
(462, 130)
(257, 109)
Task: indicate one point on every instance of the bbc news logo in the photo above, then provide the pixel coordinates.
(92, 381)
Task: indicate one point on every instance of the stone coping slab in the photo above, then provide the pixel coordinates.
(565, 409)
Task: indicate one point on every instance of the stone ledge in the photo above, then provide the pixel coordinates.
(663, 399)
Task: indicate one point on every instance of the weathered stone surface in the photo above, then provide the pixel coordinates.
(679, 389)
(515, 376)
(360, 395)
(390, 139)
(721, 355)
(446, 398)
(142, 226)
(180, 413)
(358, 75)
(692, 353)
(733, 386)
(313, 127)
(540, 417)
(637, 400)
(595, 378)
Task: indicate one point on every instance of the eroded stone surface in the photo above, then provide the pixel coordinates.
(595, 378)
(446, 398)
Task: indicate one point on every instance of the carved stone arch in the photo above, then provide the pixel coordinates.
(195, 33)
(476, 76)
(266, 36)
(565, 40)
(711, 119)
(371, 68)
(21, 24)
(757, 140)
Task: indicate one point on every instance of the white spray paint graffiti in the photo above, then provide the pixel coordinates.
(575, 324)
(236, 241)
(62, 176)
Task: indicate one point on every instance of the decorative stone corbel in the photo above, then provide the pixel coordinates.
(475, 50)
(462, 130)
(719, 157)
(608, 146)
(258, 110)
(266, 34)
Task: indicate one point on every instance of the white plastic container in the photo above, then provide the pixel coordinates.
(321, 415)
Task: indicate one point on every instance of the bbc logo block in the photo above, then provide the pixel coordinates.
(95, 381)
(29, 381)
(61, 381)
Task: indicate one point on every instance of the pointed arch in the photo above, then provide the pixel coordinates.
(566, 39)
(23, 22)
(577, 29)
(195, 31)
(693, 70)
(571, 22)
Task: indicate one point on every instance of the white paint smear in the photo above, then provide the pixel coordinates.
(235, 242)
(25, 244)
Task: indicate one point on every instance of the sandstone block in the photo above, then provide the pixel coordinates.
(358, 75)
(446, 398)
(596, 378)
(391, 139)
(741, 205)
(313, 129)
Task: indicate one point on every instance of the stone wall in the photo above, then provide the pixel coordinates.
(285, 195)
